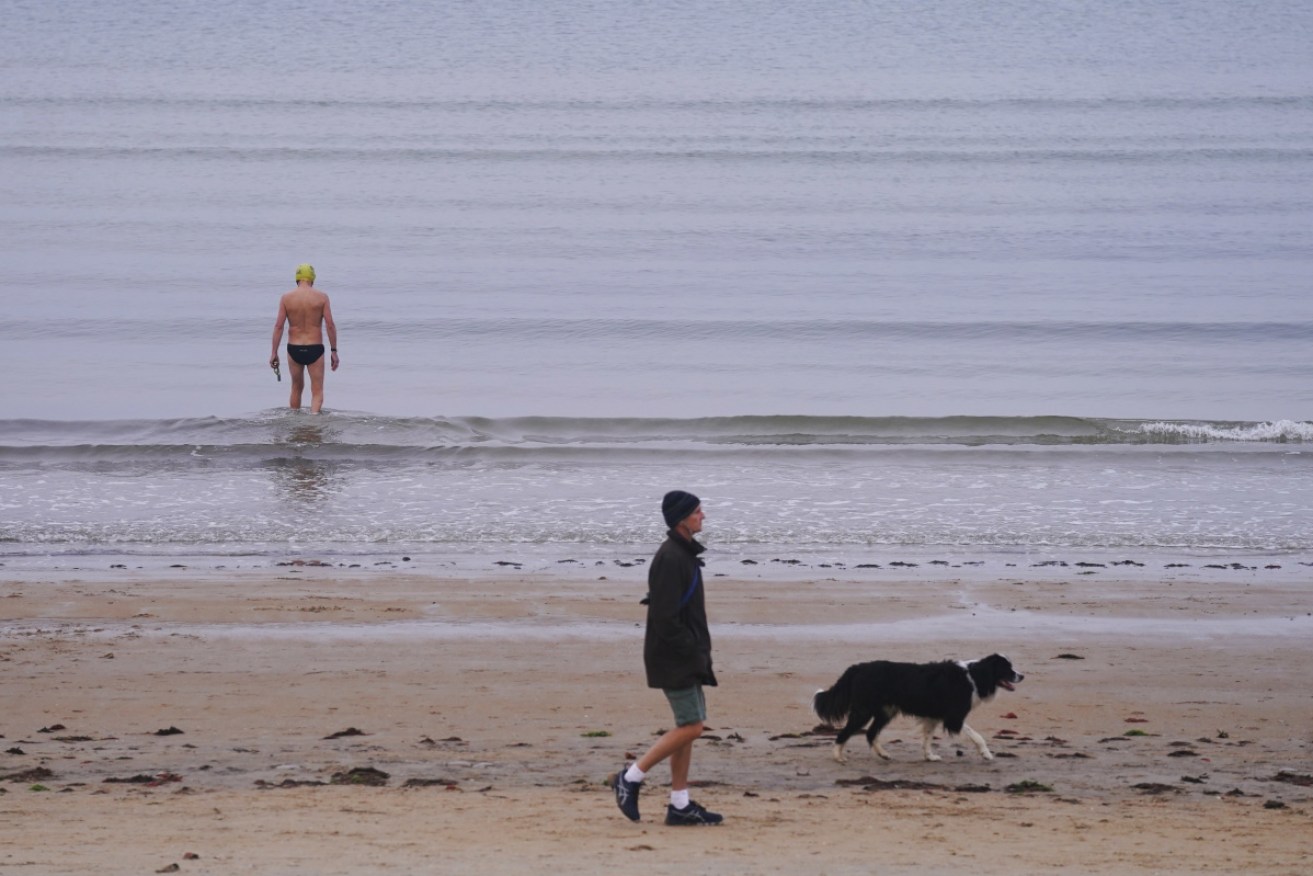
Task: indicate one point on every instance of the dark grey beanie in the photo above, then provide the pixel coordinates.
(677, 505)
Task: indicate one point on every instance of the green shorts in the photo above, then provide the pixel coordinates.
(688, 703)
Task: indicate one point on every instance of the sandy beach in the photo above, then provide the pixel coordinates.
(329, 721)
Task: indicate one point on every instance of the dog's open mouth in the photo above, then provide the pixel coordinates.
(1006, 685)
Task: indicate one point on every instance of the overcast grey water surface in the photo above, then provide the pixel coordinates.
(1023, 276)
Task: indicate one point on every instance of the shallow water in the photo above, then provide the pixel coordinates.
(1004, 276)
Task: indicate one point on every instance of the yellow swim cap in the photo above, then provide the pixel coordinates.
(305, 272)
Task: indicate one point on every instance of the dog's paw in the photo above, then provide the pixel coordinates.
(931, 756)
(987, 754)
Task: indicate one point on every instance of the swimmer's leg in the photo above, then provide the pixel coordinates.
(297, 372)
(316, 369)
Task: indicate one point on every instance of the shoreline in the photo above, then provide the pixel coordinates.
(210, 713)
(503, 562)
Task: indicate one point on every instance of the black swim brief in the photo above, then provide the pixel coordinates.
(305, 354)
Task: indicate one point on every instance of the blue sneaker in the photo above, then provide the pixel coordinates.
(626, 794)
(692, 814)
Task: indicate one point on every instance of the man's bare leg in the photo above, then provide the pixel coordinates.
(676, 744)
(297, 372)
(316, 369)
(680, 762)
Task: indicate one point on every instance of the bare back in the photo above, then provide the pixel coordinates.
(305, 308)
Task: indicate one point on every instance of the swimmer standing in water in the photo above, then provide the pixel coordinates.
(307, 313)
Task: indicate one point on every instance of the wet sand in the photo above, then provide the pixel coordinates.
(233, 722)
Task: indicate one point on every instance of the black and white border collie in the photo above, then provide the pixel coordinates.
(936, 693)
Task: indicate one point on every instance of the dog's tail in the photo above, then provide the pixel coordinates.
(832, 705)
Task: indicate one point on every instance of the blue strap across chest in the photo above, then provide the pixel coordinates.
(688, 594)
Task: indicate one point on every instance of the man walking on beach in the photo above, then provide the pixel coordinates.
(307, 313)
(677, 658)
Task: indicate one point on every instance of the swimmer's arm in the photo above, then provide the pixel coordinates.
(278, 329)
(331, 328)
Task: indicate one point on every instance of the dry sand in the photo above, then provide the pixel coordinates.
(497, 708)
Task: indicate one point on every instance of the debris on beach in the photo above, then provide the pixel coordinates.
(1155, 788)
(35, 774)
(445, 784)
(1301, 779)
(143, 779)
(450, 740)
(288, 783)
(1029, 786)
(871, 783)
(361, 776)
(169, 731)
(824, 730)
(350, 731)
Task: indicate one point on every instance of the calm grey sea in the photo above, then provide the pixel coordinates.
(1016, 276)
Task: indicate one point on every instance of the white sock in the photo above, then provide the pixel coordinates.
(634, 774)
(679, 799)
